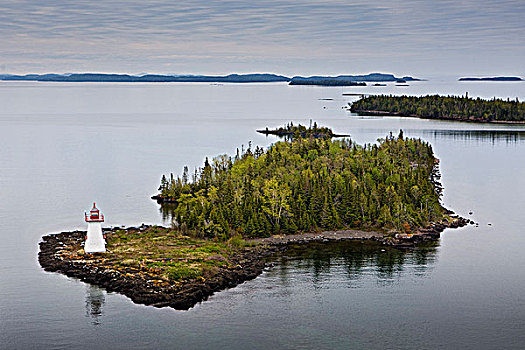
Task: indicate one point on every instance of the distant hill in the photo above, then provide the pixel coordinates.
(100, 77)
(492, 79)
(341, 80)
(348, 80)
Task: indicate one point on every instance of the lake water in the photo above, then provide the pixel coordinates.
(65, 145)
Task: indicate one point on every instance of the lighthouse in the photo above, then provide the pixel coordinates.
(95, 242)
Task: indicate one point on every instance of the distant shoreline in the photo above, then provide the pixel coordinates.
(340, 80)
(148, 78)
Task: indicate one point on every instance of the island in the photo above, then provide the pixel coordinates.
(234, 211)
(325, 82)
(460, 108)
(150, 78)
(291, 131)
(492, 79)
(348, 80)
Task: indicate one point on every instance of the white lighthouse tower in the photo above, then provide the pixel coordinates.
(95, 242)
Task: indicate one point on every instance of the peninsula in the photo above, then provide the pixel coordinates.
(234, 212)
(460, 108)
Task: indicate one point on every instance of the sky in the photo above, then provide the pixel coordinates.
(291, 37)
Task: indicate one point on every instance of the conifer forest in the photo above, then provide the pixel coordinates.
(305, 185)
(444, 107)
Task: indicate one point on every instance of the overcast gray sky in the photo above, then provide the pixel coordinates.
(291, 37)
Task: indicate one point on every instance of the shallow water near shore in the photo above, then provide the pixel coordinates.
(65, 145)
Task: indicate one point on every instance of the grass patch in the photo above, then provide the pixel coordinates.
(170, 255)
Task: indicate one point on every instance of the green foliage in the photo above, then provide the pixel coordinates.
(167, 253)
(236, 241)
(444, 107)
(309, 184)
(291, 132)
(182, 271)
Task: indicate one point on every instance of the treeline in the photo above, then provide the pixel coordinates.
(444, 107)
(308, 184)
(325, 82)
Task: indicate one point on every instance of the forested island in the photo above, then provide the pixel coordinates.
(460, 108)
(308, 184)
(291, 131)
(234, 211)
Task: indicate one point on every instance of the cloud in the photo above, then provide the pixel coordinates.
(160, 32)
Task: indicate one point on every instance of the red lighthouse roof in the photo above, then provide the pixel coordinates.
(94, 215)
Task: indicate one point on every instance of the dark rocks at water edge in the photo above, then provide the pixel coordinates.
(160, 199)
(144, 287)
(427, 234)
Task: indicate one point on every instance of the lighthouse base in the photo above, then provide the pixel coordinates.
(95, 242)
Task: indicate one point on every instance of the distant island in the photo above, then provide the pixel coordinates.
(155, 78)
(349, 80)
(443, 107)
(325, 82)
(342, 80)
(492, 79)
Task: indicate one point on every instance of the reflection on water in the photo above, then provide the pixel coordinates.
(95, 300)
(355, 260)
(358, 258)
(492, 136)
(166, 212)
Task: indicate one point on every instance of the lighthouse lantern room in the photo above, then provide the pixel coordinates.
(95, 242)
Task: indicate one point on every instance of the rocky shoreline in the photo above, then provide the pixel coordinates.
(143, 286)
(162, 200)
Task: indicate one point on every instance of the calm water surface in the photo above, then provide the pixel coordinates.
(64, 145)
